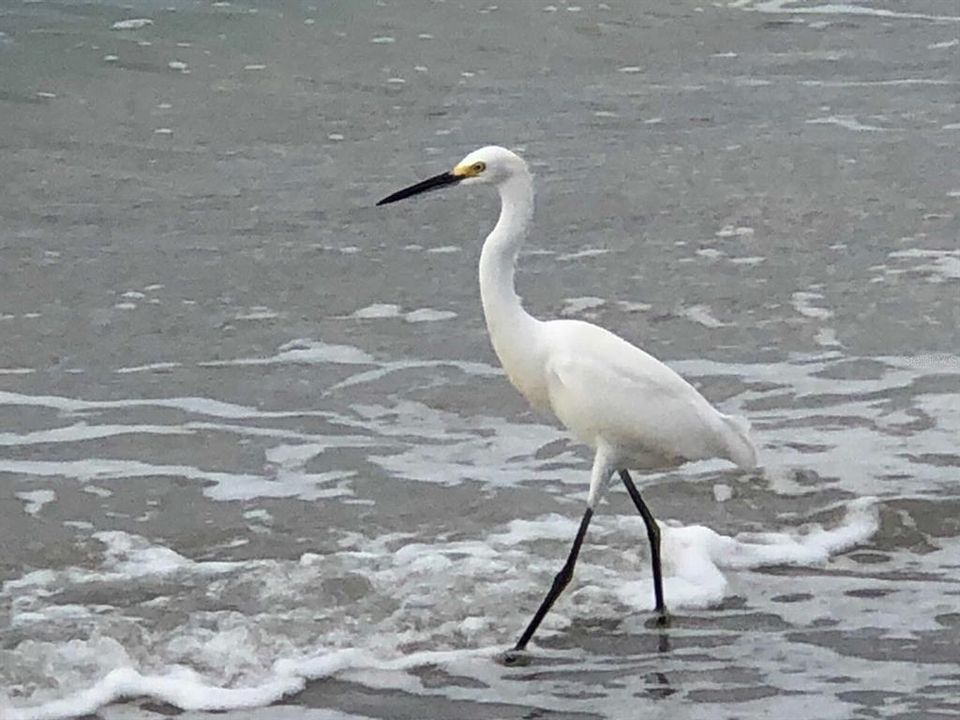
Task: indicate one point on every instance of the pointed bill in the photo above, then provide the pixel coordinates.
(434, 183)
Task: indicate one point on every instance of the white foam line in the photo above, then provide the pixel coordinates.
(800, 375)
(183, 689)
(780, 6)
(133, 556)
(148, 368)
(377, 311)
(329, 663)
(131, 24)
(126, 557)
(862, 520)
(470, 368)
(589, 252)
(177, 689)
(848, 122)
(226, 485)
(945, 266)
(105, 468)
(307, 352)
(324, 441)
(693, 556)
(428, 315)
(876, 83)
(577, 305)
(81, 431)
(197, 405)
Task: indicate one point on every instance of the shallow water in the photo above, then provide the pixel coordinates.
(255, 450)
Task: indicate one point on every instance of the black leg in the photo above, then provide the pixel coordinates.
(653, 534)
(559, 583)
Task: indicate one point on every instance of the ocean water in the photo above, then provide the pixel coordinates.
(257, 458)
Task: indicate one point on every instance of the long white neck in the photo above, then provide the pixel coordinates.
(513, 331)
(498, 259)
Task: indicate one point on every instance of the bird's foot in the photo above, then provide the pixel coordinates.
(514, 658)
(661, 621)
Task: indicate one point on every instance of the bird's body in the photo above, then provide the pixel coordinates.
(609, 393)
(634, 411)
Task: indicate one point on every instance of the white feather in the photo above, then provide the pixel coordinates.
(631, 408)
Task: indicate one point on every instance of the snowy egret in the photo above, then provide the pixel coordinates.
(634, 411)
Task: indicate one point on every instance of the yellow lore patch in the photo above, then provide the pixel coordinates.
(469, 171)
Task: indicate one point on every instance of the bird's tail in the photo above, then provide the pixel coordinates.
(737, 443)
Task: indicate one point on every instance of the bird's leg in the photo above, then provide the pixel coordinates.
(653, 534)
(559, 583)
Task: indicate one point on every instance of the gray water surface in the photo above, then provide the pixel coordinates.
(252, 434)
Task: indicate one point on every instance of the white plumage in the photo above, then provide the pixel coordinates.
(634, 411)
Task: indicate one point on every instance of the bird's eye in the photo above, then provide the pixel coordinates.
(479, 167)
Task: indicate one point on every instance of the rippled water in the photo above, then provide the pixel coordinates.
(255, 451)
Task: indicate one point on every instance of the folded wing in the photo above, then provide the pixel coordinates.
(606, 390)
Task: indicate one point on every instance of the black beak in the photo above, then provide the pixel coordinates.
(437, 181)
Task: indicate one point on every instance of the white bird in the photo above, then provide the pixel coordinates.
(634, 411)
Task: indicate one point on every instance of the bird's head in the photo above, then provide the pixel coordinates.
(492, 165)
